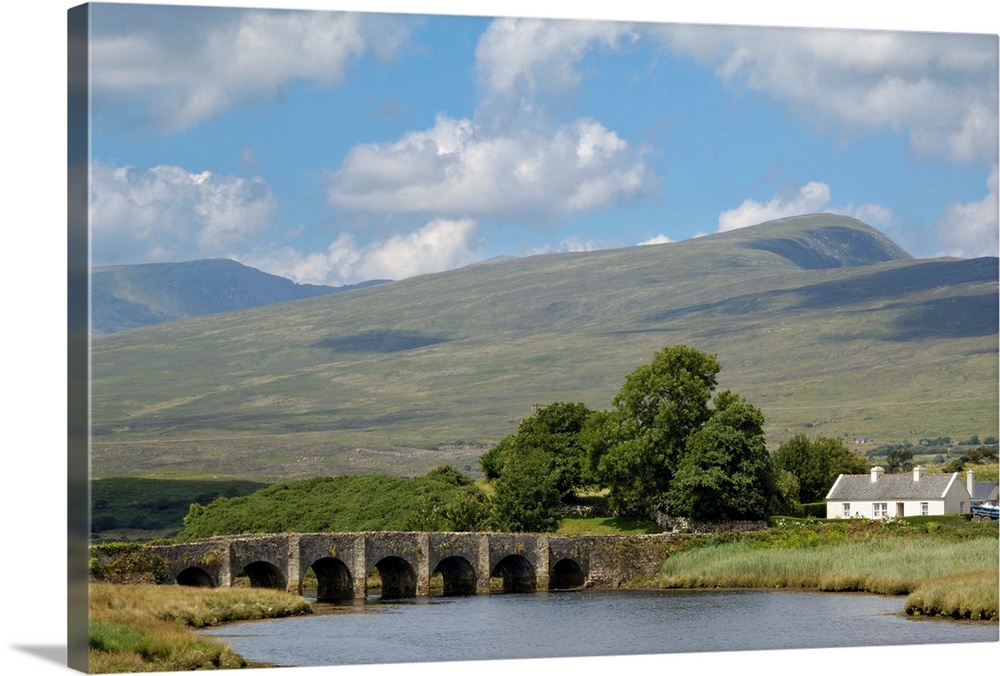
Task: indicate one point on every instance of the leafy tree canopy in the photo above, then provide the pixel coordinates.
(553, 431)
(726, 472)
(642, 440)
(666, 445)
(526, 495)
(976, 456)
(816, 464)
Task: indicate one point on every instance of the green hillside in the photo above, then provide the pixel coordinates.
(820, 321)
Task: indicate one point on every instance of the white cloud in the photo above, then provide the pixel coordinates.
(940, 89)
(658, 239)
(970, 229)
(873, 214)
(180, 81)
(167, 213)
(810, 198)
(439, 245)
(571, 244)
(813, 197)
(457, 169)
(523, 57)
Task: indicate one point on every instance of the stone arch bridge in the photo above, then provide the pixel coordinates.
(406, 561)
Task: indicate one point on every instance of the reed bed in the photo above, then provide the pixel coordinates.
(137, 628)
(956, 579)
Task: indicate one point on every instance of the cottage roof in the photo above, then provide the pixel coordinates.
(892, 487)
(984, 490)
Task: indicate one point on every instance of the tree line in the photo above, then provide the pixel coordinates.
(670, 444)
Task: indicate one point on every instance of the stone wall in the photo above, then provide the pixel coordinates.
(677, 524)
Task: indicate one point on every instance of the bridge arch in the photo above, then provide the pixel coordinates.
(195, 577)
(334, 581)
(566, 574)
(399, 579)
(517, 572)
(458, 576)
(264, 574)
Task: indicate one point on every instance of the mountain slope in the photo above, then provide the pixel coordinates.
(405, 376)
(825, 241)
(127, 296)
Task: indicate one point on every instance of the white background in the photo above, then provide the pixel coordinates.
(33, 169)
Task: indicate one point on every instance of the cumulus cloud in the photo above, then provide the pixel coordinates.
(970, 229)
(457, 169)
(813, 197)
(939, 89)
(178, 81)
(508, 160)
(810, 198)
(522, 57)
(168, 213)
(440, 245)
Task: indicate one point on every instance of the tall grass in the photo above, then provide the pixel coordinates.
(136, 628)
(943, 577)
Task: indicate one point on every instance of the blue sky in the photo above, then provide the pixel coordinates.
(333, 147)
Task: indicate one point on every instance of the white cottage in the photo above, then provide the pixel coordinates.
(879, 495)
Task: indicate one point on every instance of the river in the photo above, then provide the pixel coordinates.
(590, 623)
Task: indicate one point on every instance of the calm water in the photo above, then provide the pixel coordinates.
(590, 623)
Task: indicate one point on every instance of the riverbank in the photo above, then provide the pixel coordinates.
(148, 627)
(945, 568)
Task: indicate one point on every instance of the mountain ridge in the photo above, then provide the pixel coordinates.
(128, 296)
(430, 370)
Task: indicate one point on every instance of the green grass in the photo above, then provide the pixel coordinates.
(137, 628)
(607, 525)
(946, 566)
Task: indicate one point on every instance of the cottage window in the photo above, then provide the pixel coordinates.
(925, 508)
(880, 509)
(845, 510)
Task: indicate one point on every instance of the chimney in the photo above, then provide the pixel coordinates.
(970, 482)
(918, 472)
(876, 473)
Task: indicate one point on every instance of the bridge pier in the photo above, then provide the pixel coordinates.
(483, 566)
(294, 573)
(542, 562)
(423, 565)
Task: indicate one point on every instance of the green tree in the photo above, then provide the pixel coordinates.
(491, 462)
(526, 496)
(553, 430)
(817, 463)
(467, 511)
(785, 500)
(899, 460)
(726, 472)
(976, 456)
(659, 405)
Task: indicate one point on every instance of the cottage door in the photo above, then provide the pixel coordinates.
(899, 509)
